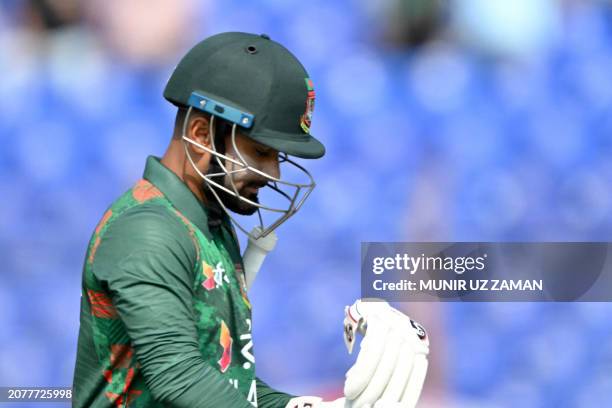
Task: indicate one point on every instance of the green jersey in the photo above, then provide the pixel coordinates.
(165, 318)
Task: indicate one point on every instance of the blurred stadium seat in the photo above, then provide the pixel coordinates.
(502, 145)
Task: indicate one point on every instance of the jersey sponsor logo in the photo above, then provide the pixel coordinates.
(220, 275)
(213, 278)
(252, 396)
(246, 349)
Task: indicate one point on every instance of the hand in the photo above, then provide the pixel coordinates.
(392, 362)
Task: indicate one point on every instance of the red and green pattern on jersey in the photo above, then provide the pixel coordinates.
(222, 308)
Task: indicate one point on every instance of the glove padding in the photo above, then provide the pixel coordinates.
(392, 361)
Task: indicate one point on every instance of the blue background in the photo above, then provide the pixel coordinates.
(497, 127)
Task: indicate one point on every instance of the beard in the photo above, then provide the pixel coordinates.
(230, 201)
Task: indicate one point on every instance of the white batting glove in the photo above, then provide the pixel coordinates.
(392, 362)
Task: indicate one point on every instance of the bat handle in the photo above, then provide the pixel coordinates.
(255, 253)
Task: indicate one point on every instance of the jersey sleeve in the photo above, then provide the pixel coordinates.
(270, 398)
(146, 260)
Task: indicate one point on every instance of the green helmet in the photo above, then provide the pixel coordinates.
(258, 86)
(253, 82)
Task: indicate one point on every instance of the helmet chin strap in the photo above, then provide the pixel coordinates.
(222, 162)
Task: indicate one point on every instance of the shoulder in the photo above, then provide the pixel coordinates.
(149, 222)
(143, 233)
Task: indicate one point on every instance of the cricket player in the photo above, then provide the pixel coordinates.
(165, 317)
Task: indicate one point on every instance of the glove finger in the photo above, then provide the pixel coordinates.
(377, 383)
(371, 350)
(415, 382)
(401, 374)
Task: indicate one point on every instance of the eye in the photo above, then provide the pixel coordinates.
(265, 152)
(261, 152)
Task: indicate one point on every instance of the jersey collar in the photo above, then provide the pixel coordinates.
(177, 192)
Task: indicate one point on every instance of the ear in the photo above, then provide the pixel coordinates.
(198, 130)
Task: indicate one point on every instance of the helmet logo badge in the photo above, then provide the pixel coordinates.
(306, 118)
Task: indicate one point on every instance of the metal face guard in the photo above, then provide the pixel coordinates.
(295, 200)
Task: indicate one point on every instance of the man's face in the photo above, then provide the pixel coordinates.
(247, 182)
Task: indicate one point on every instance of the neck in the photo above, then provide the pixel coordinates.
(176, 160)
